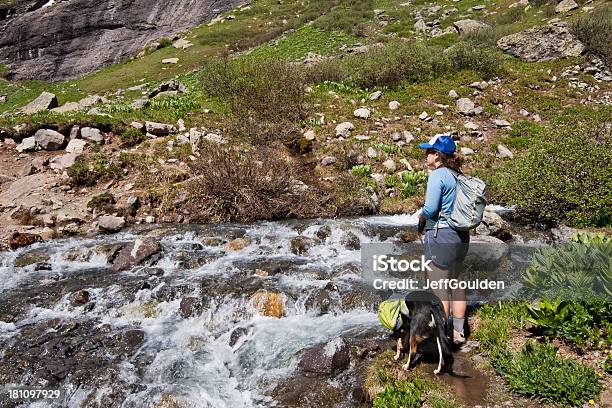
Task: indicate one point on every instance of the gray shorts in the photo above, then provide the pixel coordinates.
(447, 248)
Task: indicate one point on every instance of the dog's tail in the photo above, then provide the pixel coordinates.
(440, 319)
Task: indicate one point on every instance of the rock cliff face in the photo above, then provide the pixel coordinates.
(60, 39)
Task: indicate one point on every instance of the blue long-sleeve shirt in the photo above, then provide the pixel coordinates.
(440, 195)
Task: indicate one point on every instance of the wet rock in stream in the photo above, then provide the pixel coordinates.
(135, 253)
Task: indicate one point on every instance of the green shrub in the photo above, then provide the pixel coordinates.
(536, 371)
(91, 169)
(594, 29)
(266, 97)
(479, 58)
(563, 177)
(131, 137)
(164, 42)
(362, 170)
(350, 16)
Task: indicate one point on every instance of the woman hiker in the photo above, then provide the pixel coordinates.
(446, 247)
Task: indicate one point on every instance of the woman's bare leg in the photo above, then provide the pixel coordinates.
(435, 274)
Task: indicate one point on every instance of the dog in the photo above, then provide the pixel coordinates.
(425, 320)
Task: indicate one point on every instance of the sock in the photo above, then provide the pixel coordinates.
(458, 323)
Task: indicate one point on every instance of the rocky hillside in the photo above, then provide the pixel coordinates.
(67, 38)
(315, 109)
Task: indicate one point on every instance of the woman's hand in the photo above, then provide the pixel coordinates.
(421, 224)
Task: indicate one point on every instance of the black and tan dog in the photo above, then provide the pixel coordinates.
(425, 320)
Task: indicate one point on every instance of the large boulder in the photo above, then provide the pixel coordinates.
(170, 86)
(76, 146)
(542, 43)
(565, 6)
(22, 239)
(135, 253)
(92, 134)
(327, 358)
(49, 139)
(111, 223)
(45, 101)
(468, 26)
(486, 251)
(158, 129)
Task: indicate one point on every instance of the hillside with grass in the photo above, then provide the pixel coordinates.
(314, 109)
(338, 94)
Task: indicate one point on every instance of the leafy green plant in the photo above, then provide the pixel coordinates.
(411, 182)
(594, 29)
(391, 180)
(536, 371)
(389, 149)
(571, 271)
(399, 393)
(584, 324)
(362, 170)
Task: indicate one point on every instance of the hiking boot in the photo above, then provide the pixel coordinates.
(458, 337)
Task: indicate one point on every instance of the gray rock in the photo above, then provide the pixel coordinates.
(424, 116)
(466, 151)
(501, 123)
(214, 138)
(27, 145)
(110, 223)
(182, 140)
(76, 146)
(390, 165)
(372, 153)
(479, 7)
(27, 170)
(465, 106)
(2, 98)
(194, 139)
(39, 163)
(543, 43)
(344, 129)
(394, 105)
(468, 26)
(374, 96)
(326, 358)
(565, 6)
(49, 139)
(135, 253)
(140, 103)
(486, 251)
(45, 101)
(63, 162)
(453, 94)
(420, 26)
(362, 113)
(92, 134)
(75, 132)
(470, 125)
(173, 85)
(503, 152)
(86, 102)
(310, 135)
(182, 44)
(170, 61)
(328, 160)
(158, 129)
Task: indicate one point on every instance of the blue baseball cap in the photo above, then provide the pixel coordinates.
(441, 143)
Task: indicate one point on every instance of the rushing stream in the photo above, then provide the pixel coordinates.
(185, 326)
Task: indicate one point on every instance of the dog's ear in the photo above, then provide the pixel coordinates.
(432, 323)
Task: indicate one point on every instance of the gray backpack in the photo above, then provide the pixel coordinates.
(469, 204)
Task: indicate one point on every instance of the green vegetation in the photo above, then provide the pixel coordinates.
(572, 271)
(536, 371)
(411, 182)
(399, 393)
(587, 324)
(564, 176)
(91, 169)
(594, 29)
(349, 16)
(362, 170)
